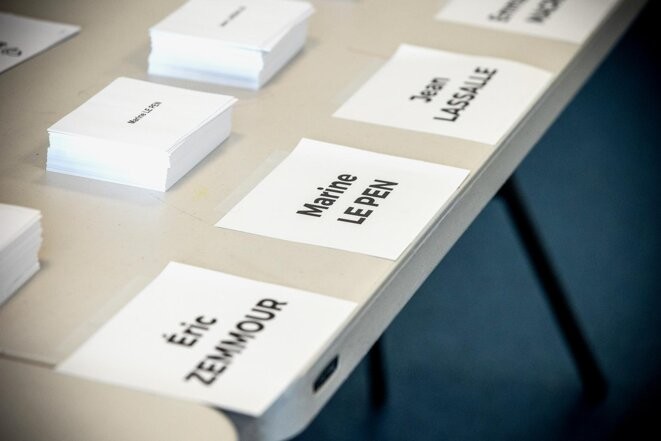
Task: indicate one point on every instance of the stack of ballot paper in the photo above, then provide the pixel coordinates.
(235, 42)
(20, 239)
(139, 133)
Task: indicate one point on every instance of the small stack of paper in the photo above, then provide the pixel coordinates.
(20, 240)
(234, 42)
(139, 133)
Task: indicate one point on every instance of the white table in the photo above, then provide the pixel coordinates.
(103, 242)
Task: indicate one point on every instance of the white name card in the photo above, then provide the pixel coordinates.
(207, 336)
(463, 96)
(340, 197)
(22, 37)
(567, 20)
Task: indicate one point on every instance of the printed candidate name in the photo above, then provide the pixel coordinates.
(147, 110)
(11, 51)
(461, 99)
(207, 370)
(232, 16)
(357, 212)
(543, 10)
(430, 90)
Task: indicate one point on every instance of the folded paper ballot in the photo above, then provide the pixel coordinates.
(139, 133)
(234, 42)
(20, 240)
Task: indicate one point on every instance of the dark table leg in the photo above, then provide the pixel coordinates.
(378, 386)
(594, 383)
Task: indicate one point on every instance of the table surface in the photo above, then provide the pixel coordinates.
(103, 242)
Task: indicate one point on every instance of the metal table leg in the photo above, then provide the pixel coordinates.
(594, 382)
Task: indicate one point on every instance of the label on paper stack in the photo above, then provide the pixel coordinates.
(207, 336)
(234, 42)
(139, 133)
(20, 240)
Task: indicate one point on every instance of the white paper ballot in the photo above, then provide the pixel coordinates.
(345, 198)
(250, 40)
(22, 37)
(463, 96)
(139, 133)
(567, 20)
(212, 337)
(20, 240)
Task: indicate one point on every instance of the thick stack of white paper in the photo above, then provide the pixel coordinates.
(20, 240)
(139, 133)
(235, 42)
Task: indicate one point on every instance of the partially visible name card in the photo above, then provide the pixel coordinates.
(207, 336)
(22, 37)
(463, 96)
(567, 20)
(340, 197)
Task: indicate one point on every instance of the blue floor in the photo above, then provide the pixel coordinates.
(476, 355)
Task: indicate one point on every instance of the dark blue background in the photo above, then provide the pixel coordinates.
(476, 355)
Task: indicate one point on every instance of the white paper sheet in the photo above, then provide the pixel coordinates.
(340, 197)
(463, 96)
(208, 336)
(568, 20)
(22, 37)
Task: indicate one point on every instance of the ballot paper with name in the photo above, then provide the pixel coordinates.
(463, 96)
(20, 240)
(341, 197)
(23, 37)
(232, 42)
(567, 20)
(212, 337)
(139, 133)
